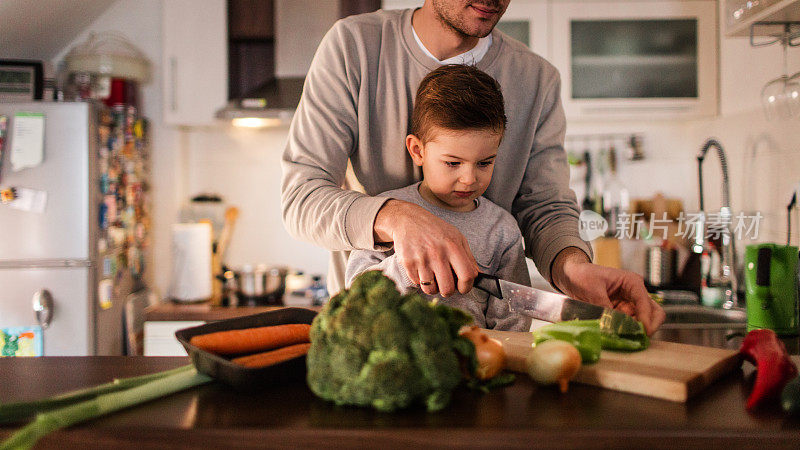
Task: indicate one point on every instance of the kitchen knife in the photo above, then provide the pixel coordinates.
(553, 307)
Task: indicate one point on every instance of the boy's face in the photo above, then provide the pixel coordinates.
(457, 165)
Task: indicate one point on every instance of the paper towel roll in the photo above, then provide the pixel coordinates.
(191, 262)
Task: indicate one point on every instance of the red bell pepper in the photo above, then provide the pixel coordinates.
(774, 369)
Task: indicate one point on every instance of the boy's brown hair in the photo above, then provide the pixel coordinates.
(457, 97)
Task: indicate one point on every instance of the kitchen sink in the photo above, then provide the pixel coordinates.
(703, 317)
(699, 325)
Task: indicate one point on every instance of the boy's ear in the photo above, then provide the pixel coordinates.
(415, 149)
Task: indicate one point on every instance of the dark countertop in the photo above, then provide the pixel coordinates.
(168, 311)
(521, 415)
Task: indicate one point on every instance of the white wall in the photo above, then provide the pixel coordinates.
(243, 165)
(140, 22)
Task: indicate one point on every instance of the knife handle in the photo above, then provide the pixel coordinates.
(489, 284)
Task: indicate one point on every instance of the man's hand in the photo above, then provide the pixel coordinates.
(578, 278)
(430, 249)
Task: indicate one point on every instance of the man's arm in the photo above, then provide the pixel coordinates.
(323, 133)
(321, 138)
(548, 214)
(545, 207)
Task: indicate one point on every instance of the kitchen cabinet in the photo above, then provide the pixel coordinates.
(636, 59)
(741, 15)
(528, 22)
(194, 60)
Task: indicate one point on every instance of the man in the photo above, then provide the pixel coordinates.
(355, 111)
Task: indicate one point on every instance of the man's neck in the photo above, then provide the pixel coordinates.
(442, 41)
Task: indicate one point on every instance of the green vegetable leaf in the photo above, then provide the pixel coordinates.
(500, 380)
(590, 338)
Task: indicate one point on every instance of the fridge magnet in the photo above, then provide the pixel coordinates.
(8, 195)
(30, 200)
(21, 341)
(109, 266)
(27, 140)
(105, 294)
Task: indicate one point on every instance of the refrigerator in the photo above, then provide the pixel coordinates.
(85, 249)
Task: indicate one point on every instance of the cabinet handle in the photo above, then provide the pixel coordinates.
(43, 307)
(634, 109)
(173, 81)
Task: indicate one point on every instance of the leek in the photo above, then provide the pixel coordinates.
(50, 421)
(13, 412)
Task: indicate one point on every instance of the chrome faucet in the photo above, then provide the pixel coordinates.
(728, 250)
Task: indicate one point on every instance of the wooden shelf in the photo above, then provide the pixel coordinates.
(782, 11)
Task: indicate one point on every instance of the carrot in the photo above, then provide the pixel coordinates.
(273, 356)
(251, 340)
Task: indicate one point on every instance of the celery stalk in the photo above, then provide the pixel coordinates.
(50, 421)
(13, 412)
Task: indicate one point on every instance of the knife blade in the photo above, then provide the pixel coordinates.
(553, 307)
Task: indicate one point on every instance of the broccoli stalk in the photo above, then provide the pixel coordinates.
(372, 346)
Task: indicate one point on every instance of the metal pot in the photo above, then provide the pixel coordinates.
(256, 285)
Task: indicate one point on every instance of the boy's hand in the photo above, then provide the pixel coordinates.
(429, 248)
(578, 278)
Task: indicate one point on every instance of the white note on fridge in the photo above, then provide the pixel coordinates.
(27, 140)
(31, 200)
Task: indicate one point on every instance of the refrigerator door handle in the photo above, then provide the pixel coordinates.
(43, 307)
(44, 263)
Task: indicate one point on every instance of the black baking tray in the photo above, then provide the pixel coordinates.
(244, 378)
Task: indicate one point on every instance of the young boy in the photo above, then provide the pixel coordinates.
(457, 124)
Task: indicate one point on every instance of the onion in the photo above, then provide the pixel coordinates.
(490, 353)
(552, 362)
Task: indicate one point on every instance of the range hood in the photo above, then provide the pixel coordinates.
(281, 58)
(271, 104)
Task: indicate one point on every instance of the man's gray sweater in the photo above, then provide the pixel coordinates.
(356, 108)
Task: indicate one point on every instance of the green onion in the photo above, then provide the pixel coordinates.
(50, 421)
(13, 412)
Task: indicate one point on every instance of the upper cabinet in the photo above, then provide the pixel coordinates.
(636, 59)
(741, 15)
(194, 60)
(527, 21)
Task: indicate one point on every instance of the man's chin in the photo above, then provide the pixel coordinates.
(480, 30)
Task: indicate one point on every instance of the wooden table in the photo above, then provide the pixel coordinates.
(522, 415)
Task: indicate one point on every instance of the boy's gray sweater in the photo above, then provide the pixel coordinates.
(496, 243)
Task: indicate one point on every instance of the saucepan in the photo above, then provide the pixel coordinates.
(254, 285)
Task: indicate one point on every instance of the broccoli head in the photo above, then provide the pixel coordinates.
(372, 346)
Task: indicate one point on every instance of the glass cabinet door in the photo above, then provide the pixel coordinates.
(528, 22)
(634, 58)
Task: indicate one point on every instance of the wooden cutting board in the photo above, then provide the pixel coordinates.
(666, 370)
